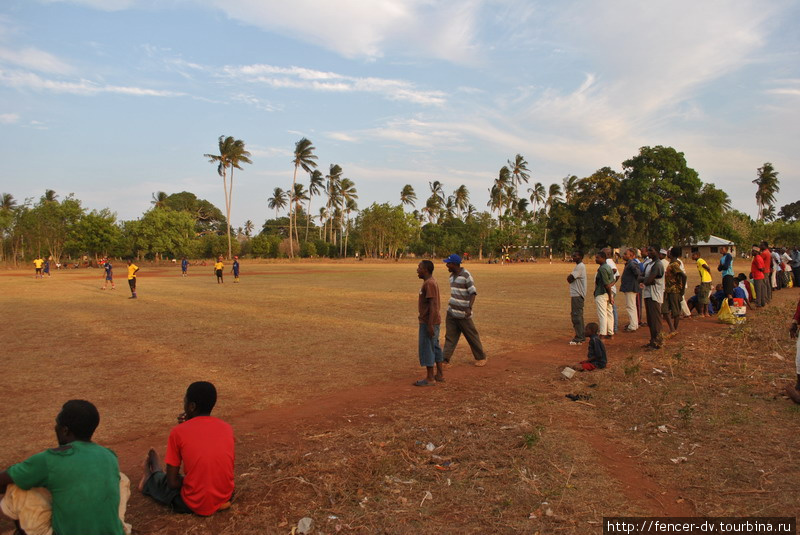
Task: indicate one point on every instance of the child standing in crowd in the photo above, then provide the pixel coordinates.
(596, 357)
(218, 267)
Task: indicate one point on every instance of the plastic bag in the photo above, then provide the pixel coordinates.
(725, 314)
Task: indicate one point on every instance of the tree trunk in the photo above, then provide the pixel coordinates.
(227, 205)
(229, 201)
(291, 192)
(308, 219)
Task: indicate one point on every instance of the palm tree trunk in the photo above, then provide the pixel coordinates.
(308, 220)
(227, 204)
(230, 198)
(291, 245)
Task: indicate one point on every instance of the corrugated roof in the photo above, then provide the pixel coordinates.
(713, 241)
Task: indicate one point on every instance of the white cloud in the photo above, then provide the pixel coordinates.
(342, 136)
(325, 81)
(27, 80)
(104, 5)
(32, 58)
(9, 118)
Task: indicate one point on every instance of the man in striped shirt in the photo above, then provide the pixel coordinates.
(459, 312)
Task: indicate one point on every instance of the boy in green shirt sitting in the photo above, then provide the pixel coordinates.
(78, 483)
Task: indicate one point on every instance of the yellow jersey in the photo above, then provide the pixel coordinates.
(705, 276)
(132, 271)
(219, 265)
(38, 263)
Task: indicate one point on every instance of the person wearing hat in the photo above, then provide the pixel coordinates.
(459, 312)
(235, 269)
(758, 272)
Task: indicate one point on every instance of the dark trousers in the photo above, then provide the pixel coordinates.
(577, 317)
(653, 320)
(761, 292)
(156, 487)
(455, 327)
(132, 284)
(767, 287)
(727, 285)
(795, 275)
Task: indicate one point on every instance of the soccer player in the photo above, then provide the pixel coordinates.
(76, 488)
(132, 269)
(109, 274)
(37, 264)
(46, 268)
(218, 267)
(235, 269)
(205, 447)
(184, 267)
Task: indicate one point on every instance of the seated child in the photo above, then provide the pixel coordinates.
(596, 358)
(717, 297)
(740, 290)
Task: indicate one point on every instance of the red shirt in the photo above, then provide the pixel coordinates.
(766, 254)
(205, 446)
(756, 267)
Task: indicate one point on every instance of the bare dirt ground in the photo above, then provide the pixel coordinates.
(314, 364)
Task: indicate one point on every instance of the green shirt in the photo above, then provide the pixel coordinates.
(83, 478)
(604, 277)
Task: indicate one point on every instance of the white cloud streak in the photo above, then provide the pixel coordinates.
(27, 80)
(9, 118)
(35, 59)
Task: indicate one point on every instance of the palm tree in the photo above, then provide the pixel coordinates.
(501, 183)
(159, 199)
(303, 157)
(277, 201)
(347, 193)
(570, 183)
(407, 195)
(296, 201)
(432, 209)
(537, 195)
(767, 183)
(437, 192)
(461, 195)
(350, 206)
(469, 213)
(450, 207)
(315, 186)
(248, 228)
(7, 202)
(519, 170)
(231, 154)
(49, 196)
(332, 190)
(553, 196)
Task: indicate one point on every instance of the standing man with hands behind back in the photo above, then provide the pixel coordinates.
(459, 312)
(577, 297)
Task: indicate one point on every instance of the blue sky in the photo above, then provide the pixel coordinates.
(116, 99)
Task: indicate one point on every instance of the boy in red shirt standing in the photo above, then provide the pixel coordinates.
(757, 273)
(205, 447)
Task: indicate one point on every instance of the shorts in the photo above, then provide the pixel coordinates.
(430, 352)
(673, 304)
(38, 270)
(219, 273)
(588, 366)
(110, 278)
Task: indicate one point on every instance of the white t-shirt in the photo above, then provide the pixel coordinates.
(613, 266)
(654, 291)
(577, 288)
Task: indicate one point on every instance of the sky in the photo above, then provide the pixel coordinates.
(113, 100)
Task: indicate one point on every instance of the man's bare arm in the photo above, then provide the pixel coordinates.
(174, 479)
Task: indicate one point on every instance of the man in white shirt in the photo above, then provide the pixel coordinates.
(577, 294)
(613, 265)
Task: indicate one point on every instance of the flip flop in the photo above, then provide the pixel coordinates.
(439, 378)
(424, 382)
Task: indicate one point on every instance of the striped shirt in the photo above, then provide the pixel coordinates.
(461, 288)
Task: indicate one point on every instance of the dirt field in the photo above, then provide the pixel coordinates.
(314, 364)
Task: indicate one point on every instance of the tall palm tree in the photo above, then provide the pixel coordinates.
(501, 183)
(350, 206)
(469, 213)
(315, 187)
(450, 207)
(553, 196)
(248, 228)
(159, 199)
(296, 204)
(232, 154)
(7, 202)
(767, 183)
(570, 183)
(461, 196)
(407, 195)
(304, 158)
(49, 196)
(437, 192)
(537, 195)
(432, 209)
(277, 201)
(519, 170)
(332, 190)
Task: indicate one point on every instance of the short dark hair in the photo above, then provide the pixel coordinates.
(601, 253)
(80, 417)
(427, 264)
(578, 252)
(592, 328)
(203, 394)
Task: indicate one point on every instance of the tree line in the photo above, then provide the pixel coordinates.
(656, 198)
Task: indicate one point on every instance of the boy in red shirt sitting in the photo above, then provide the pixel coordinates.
(205, 447)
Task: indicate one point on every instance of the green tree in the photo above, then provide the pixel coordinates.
(164, 232)
(383, 228)
(597, 210)
(53, 221)
(278, 201)
(407, 196)
(316, 186)
(303, 158)
(766, 188)
(95, 234)
(159, 199)
(790, 212)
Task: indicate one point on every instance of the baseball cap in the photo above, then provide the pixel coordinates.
(452, 259)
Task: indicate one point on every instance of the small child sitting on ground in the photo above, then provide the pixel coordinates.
(596, 358)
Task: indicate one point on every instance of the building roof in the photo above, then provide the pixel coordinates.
(713, 241)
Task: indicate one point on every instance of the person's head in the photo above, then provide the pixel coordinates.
(608, 251)
(724, 249)
(741, 277)
(675, 253)
(697, 289)
(130, 261)
(662, 253)
(629, 254)
(453, 263)
(764, 245)
(425, 269)
(718, 287)
(591, 329)
(695, 255)
(200, 399)
(577, 256)
(652, 252)
(600, 257)
(220, 258)
(77, 421)
(756, 249)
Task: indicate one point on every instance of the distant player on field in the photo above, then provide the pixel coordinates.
(108, 274)
(235, 269)
(38, 263)
(132, 269)
(218, 267)
(184, 266)
(46, 267)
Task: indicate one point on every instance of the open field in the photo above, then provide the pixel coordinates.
(313, 363)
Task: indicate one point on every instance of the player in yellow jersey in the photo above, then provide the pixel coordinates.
(38, 263)
(132, 269)
(218, 267)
